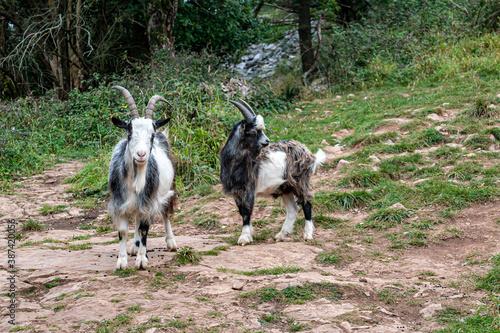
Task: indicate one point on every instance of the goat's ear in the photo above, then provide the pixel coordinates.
(119, 123)
(160, 123)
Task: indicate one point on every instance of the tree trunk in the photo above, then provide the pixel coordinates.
(161, 15)
(305, 36)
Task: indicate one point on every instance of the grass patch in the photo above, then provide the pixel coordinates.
(343, 200)
(362, 178)
(266, 271)
(330, 258)
(59, 307)
(32, 225)
(385, 218)
(491, 281)
(125, 272)
(481, 109)
(50, 210)
(186, 255)
(296, 294)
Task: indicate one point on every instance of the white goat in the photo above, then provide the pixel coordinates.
(141, 180)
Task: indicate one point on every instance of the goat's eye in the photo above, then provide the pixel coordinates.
(252, 132)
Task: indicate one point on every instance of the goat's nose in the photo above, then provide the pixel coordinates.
(266, 143)
(141, 154)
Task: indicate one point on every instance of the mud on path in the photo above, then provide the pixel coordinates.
(66, 280)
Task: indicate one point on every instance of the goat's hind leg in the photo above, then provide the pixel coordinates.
(141, 262)
(309, 226)
(122, 224)
(169, 235)
(168, 210)
(292, 210)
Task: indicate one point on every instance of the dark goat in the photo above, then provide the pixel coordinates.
(141, 180)
(250, 166)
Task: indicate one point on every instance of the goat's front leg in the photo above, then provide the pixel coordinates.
(292, 209)
(122, 224)
(309, 226)
(141, 262)
(245, 207)
(134, 248)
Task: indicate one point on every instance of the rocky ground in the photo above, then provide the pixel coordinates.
(66, 280)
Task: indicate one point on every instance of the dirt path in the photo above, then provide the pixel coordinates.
(66, 280)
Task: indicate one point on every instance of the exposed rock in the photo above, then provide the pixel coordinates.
(238, 285)
(429, 311)
(342, 164)
(374, 158)
(434, 117)
(383, 310)
(236, 87)
(332, 150)
(346, 327)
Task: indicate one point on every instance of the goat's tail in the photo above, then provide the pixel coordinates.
(320, 158)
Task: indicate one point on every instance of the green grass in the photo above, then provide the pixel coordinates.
(343, 200)
(266, 271)
(125, 272)
(386, 218)
(491, 281)
(32, 225)
(49, 209)
(295, 295)
(186, 255)
(330, 258)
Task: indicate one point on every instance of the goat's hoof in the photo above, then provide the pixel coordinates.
(308, 236)
(171, 245)
(280, 237)
(122, 263)
(141, 263)
(244, 240)
(133, 250)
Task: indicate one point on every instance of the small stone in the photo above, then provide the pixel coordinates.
(405, 95)
(345, 326)
(324, 142)
(374, 158)
(397, 205)
(342, 164)
(389, 142)
(238, 285)
(434, 117)
(363, 279)
(338, 97)
(332, 150)
(429, 311)
(492, 106)
(350, 95)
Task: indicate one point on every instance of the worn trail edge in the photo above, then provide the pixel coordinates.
(66, 280)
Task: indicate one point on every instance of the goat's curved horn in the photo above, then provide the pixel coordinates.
(130, 101)
(248, 114)
(248, 106)
(151, 105)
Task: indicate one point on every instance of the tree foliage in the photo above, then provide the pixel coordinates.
(219, 26)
